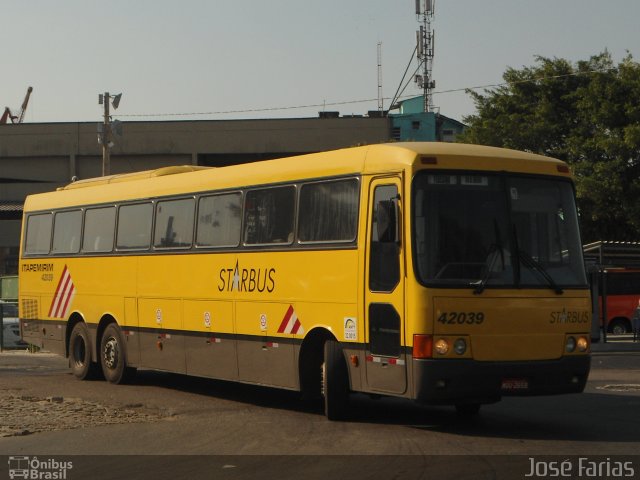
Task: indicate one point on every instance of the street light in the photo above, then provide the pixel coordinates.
(105, 131)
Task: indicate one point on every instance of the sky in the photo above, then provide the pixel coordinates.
(232, 59)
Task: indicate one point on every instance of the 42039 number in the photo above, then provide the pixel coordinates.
(461, 318)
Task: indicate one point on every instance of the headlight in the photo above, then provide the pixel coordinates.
(583, 344)
(441, 346)
(460, 346)
(570, 345)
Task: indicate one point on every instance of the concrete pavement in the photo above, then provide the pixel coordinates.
(616, 344)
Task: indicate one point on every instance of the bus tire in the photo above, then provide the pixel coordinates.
(80, 353)
(335, 382)
(113, 356)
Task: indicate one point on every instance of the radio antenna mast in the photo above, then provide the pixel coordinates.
(425, 48)
(380, 97)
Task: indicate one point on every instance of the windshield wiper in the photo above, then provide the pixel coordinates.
(480, 284)
(528, 261)
(493, 253)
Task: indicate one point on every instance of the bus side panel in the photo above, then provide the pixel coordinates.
(161, 337)
(100, 287)
(43, 320)
(161, 284)
(262, 357)
(132, 335)
(210, 343)
(279, 298)
(46, 335)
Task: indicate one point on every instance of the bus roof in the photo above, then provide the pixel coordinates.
(390, 157)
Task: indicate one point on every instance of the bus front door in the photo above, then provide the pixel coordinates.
(384, 298)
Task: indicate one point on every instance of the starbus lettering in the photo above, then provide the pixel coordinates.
(247, 279)
(569, 317)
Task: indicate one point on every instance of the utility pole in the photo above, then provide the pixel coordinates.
(104, 130)
(106, 138)
(380, 97)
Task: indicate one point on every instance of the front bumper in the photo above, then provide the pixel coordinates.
(454, 381)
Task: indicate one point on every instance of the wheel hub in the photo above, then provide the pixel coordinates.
(110, 353)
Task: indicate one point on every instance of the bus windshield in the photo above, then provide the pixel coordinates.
(496, 230)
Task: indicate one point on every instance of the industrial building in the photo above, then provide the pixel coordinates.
(38, 157)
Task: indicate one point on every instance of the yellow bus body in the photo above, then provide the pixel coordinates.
(262, 314)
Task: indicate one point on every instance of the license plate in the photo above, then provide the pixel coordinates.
(511, 384)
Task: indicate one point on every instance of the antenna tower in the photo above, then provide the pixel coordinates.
(425, 48)
(380, 98)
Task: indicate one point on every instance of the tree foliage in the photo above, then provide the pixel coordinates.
(587, 114)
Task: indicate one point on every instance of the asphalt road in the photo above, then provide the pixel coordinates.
(178, 423)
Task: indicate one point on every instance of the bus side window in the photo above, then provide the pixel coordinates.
(328, 211)
(219, 219)
(134, 226)
(269, 216)
(38, 235)
(99, 226)
(66, 232)
(174, 223)
(384, 260)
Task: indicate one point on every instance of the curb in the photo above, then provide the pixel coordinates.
(615, 347)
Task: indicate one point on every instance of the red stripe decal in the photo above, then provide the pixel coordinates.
(63, 295)
(55, 295)
(60, 298)
(67, 299)
(296, 327)
(286, 319)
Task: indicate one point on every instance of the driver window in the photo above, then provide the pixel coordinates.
(384, 259)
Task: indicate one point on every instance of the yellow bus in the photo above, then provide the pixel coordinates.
(444, 273)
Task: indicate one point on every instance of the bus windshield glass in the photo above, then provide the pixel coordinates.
(496, 230)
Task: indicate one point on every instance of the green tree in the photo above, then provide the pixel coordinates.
(587, 114)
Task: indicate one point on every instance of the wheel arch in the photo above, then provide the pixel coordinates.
(310, 360)
(74, 319)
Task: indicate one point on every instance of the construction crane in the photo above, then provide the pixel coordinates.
(7, 115)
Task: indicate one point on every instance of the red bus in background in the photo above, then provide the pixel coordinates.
(622, 294)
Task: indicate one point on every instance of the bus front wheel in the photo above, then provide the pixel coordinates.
(80, 353)
(113, 357)
(335, 382)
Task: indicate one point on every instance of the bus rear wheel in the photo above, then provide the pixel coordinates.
(80, 353)
(335, 382)
(113, 357)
